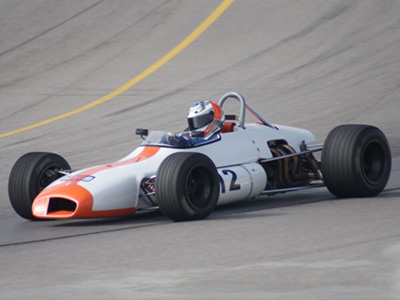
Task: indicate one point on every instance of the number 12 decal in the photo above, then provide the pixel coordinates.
(233, 186)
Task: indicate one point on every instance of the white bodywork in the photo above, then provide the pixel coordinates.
(117, 186)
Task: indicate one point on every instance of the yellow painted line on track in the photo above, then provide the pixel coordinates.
(150, 70)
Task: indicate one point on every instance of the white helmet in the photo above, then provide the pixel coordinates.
(206, 118)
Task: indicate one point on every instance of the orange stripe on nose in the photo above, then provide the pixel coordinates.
(70, 190)
(146, 153)
(81, 197)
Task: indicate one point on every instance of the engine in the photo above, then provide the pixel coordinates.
(294, 171)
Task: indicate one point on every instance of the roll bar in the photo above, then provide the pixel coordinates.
(243, 107)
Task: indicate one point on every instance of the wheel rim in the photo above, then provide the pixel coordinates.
(199, 186)
(47, 176)
(373, 162)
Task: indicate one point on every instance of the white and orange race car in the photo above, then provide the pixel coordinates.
(186, 180)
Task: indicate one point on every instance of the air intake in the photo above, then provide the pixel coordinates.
(60, 204)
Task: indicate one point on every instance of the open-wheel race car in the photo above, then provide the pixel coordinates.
(219, 159)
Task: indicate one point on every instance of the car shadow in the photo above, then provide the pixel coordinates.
(275, 201)
(138, 218)
(232, 210)
(260, 207)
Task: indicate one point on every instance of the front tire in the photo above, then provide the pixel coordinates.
(187, 186)
(356, 161)
(29, 176)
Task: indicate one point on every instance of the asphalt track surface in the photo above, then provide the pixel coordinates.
(310, 64)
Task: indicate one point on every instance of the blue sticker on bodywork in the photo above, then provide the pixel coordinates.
(84, 178)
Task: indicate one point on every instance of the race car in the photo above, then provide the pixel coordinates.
(219, 159)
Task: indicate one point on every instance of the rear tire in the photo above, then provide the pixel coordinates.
(187, 186)
(29, 176)
(356, 161)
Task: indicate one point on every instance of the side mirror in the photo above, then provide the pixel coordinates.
(231, 117)
(142, 132)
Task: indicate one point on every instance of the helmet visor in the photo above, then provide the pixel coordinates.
(200, 121)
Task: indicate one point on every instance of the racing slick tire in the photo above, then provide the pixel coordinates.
(187, 186)
(355, 161)
(30, 174)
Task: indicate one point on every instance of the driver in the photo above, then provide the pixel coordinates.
(205, 118)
